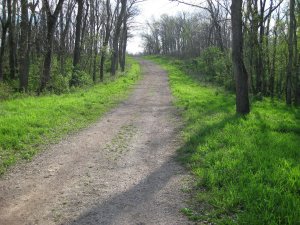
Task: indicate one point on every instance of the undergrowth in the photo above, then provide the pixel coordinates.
(247, 169)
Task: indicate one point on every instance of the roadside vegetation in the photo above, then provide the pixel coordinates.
(29, 122)
(62, 65)
(247, 168)
(251, 47)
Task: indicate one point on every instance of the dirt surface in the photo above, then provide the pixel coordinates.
(120, 170)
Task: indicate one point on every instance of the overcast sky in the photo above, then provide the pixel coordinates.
(149, 9)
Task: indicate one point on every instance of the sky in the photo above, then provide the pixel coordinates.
(151, 9)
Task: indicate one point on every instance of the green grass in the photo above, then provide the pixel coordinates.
(27, 124)
(247, 169)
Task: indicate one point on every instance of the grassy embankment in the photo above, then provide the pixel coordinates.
(27, 124)
(247, 169)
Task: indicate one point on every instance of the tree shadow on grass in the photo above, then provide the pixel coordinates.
(270, 144)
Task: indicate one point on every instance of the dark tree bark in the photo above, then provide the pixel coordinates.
(297, 59)
(297, 82)
(84, 23)
(63, 34)
(51, 22)
(115, 47)
(260, 70)
(124, 45)
(32, 16)
(297, 79)
(214, 11)
(5, 25)
(106, 39)
(23, 73)
(77, 48)
(292, 27)
(11, 38)
(78, 33)
(241, 77)
(273, 67)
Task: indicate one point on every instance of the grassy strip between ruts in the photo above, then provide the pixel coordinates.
(247, 169)
(29, 123)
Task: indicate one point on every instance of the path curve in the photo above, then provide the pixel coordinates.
(120, 170)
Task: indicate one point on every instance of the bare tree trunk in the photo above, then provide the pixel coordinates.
(296, 61)
(84, 24)
(11, 38)
(124, 47)
(106, 39)
(23, 74)
(273, 67)
(297, 82)
(4, 24)
(292, 27)
(51, 22)
(77, 48)
(114, 60)
(63, 35)
(241, 77)
(78, 33)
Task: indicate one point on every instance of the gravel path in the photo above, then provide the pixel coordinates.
(120, 170)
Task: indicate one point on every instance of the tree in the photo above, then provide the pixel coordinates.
(11, 37)
(4, 24)
(116, 37)
(241, 77)
(108, 26)
(23, 76)
(77, 47)
(51, 22)
(291, 39)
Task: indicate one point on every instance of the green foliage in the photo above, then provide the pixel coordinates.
(107, 64)
(5, 91)
(26, 124)
(214, 66)
(247, 168)
(34, 78)
(81, 79)
(60, 83)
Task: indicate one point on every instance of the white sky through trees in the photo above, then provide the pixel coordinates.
(148, 10)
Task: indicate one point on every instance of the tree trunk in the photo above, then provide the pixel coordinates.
(77, 47)
(23, 73)
(2, 48)
(78, 33)
(241, 77)
(114, 60)
(64, 33)
(292, 28)
(124, 44)
(273, 67)
(11, 38)
(4, 24)
(296, 62)
(51, 22)
(106, 39)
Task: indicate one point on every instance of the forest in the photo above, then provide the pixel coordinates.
(200, 124)
(270, 49)
(52, 46)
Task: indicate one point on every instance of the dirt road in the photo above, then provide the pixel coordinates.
(120, 170)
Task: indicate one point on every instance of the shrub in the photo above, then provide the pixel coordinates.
(34, 78)
(212, 66)
(60, 83)
(5, 91)
(81, 79)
